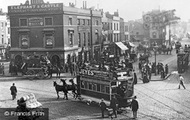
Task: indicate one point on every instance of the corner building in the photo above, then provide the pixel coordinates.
(52, 30)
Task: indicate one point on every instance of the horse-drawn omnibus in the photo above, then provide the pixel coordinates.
(103, 84)
(35, 67)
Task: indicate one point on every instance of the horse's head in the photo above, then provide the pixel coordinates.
(71, 80)
(54, 83)
(64, 81)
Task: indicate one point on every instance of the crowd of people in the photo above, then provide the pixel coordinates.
(148, 68)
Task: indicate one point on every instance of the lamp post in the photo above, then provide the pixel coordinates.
(155, 50)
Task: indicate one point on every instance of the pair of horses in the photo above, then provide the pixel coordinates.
(54, 69)
(65, 88)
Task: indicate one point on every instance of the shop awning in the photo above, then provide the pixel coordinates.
(131, 44)
(121, 45)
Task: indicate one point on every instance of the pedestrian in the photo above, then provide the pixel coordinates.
(134, 77)
(134, 107)
(181, 81)
(166, 69)
(13, 91)
(113, 105)
(103, 107)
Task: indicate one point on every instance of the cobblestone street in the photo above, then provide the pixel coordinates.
(158, 100)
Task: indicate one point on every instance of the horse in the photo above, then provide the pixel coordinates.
(72, 87)
(59, 88)
(57, 70)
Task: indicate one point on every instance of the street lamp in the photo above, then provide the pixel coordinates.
(155, 50)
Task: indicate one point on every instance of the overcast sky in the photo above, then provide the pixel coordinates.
(128, 9)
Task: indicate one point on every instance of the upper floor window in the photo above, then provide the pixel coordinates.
(79, 40)
(70, 21)
(88, 38)
(96, 23)
(71, 37)
(83, 22)
(84, 37)
(8, 30)
(48, 21)
(154, 35)
(23, 22)
(2, 39)
(78, 21)
(49, 38)
(88, 22)
(126, 29)
(24, 39)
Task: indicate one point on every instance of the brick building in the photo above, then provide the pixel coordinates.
(53, 30)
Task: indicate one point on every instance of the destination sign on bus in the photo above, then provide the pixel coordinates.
(96, 73)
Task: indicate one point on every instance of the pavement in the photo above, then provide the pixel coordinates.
(165, 59)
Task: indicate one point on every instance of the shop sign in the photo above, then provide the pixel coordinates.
(35, 21)
(36, 8)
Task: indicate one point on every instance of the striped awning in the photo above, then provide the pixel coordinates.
(121, 45)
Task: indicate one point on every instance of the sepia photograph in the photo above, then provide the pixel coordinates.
(94, 60)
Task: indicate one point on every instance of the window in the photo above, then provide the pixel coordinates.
(78, 21)
(70, 21)
(98, 87)
(96, 37)
(84, 38)
(114, 35)
(94, 87)
(8, 30)
(23, 22)
(71, 37)
(82, 84)
(107, 89)
(90, 86)
(2, 24)
(83, 22)
(154, 34)
(96, 22)
(126, 37)
(49, 38)
(48, 21)
(126, 29)
(88, 38)
(117, 37)
(85, 85)
(79, 40)
(103, 88)
(2, 39)
(88, 22)
(24, 39)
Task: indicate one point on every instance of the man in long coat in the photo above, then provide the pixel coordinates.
(13, 91)
(113, 105)
(134, 107)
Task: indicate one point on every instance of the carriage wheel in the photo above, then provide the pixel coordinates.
(40, 75)
(30, 74)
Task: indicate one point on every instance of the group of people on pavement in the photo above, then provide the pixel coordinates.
(113, 105)
(148, 68)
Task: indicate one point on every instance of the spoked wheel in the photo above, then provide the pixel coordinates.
(30, 74)
(40, 75)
